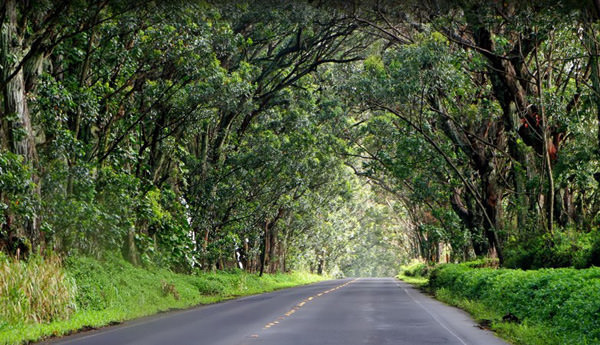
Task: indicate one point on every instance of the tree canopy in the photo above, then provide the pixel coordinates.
(269, 135)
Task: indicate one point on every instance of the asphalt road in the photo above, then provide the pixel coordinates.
(338, 312)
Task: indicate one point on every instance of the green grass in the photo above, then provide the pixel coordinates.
(415, 273)
(420, 282)
(113, 291)
(515, 333)
(547, 306)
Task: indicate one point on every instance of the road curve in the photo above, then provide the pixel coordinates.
(336, 312)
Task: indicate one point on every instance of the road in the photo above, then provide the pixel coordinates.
(337, 312)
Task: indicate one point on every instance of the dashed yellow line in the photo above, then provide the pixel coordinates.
(303, 302)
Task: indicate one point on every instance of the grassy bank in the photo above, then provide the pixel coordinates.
(416, 273)
(547, 306)
(44, 297)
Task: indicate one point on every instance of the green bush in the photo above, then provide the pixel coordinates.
(565, 301)
(415, 269)
(563, 248)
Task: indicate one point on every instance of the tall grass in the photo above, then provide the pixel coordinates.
(35, 290)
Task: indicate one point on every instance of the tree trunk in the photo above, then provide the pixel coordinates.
(321, 265)
(132, 254)
(17, 130)
(493, 204)
(265, 249)
(468, 219)
(273, 249)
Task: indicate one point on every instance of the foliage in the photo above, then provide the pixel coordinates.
(222, 135)
(416, 273)
(564, 248)
(416, 269)
(112, 290)
(559, 300)
(36, 290)
(484, 165)
(174, 132)
(16, 184)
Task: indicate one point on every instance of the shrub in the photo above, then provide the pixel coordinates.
(416, 269)
(563, 248)
(564, 300)
(36, 290)
(208, 286)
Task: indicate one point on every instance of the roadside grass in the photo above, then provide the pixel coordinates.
(415, 273)
(536, 307)
(35, 291)
(112, 290)
(420, 282)
(486, 317)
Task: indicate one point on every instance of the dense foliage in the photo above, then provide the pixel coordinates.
(328, 137)
(184, 134)
(561, 302)
(482, 118)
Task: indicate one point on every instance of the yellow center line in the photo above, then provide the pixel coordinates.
(303, 302)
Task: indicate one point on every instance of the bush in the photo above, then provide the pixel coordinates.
(416, 269)
(563, 248)
(36, 290)
(565, 300)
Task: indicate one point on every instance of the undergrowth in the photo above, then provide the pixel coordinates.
(546, 306)
(85, 293)
(416, 273)
(35, 290)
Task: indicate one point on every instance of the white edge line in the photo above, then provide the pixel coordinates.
(434, 317)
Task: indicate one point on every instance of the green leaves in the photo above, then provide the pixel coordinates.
(560, 300)
(16, 184)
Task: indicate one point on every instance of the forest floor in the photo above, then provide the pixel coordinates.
(111, 291)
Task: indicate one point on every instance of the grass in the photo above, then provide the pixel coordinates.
(415, 273)
(420, 282)
(34, 291)
(113, 290)
(518, 334)
(536, 307)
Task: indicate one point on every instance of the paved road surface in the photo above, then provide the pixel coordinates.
(339, 312)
